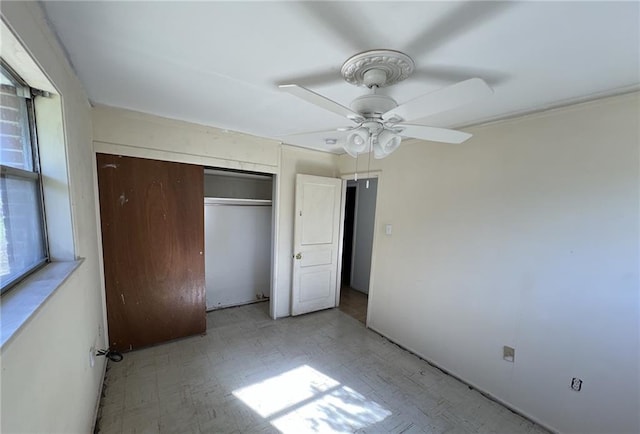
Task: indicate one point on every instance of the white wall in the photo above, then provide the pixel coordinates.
(237, 187)
(47, 384)
(237, 253)
(363, 245)
(526, 235)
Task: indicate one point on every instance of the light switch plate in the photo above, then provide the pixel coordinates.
(509, 354)
(388, 229)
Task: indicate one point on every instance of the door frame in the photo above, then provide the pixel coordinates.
(351, 176)
(275, 220)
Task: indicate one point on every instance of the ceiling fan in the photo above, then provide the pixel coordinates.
(379, 122)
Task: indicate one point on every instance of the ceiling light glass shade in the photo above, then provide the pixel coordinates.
(357, 142)
(387, 142)
(378, 153)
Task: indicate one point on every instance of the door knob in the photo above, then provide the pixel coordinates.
(299, 256)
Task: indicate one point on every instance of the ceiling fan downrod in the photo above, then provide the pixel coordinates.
(374, 78)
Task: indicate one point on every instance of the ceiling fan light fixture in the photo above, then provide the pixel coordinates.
(387, 142)
(378, 152)
(357, 142)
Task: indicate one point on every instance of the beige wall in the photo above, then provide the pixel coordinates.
(47, 383)
(526, 235)
(136, 134)
(125, 132)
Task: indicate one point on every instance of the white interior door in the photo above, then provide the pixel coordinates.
(316, 243)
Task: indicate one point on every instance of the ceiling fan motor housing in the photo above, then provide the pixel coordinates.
(373, 105)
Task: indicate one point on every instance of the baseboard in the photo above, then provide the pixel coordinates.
(97, 406)
(361, 292)
(238, 305)
(484, 393)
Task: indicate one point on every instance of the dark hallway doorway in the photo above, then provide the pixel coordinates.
(347, 249)
(359, 213)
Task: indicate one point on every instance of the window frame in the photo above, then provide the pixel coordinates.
(31, 175)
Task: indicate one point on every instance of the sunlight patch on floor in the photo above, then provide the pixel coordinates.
(305, 400)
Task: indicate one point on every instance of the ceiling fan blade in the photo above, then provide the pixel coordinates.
(309, 133)
(328, 76)
(453, 74)
(337, 18)
(441, 100)
(320, 101)
(433, 134)
(460, 20)
(329, 140)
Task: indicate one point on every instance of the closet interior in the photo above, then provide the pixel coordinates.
(238, 237)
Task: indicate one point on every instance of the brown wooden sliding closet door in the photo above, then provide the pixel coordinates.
(152, 217)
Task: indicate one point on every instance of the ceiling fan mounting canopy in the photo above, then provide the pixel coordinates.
(380, 68)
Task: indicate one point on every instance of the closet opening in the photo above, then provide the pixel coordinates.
(238, 226)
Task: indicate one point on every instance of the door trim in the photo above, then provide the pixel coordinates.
(376, 221)
(355, 230)
(275, 224)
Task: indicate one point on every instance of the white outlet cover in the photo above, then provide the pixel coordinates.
(92, 357)
(576, 384)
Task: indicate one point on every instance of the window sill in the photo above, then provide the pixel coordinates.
(20, 304)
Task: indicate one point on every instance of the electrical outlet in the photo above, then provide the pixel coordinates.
(509, 354)
(92, 356)
(576, 384)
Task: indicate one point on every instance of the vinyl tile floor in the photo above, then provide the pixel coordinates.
(320, 372)
(354, 303)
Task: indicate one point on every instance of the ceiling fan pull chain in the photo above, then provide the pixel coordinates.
(369, 164)
(355, 176)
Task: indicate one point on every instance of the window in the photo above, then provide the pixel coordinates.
(23, 246)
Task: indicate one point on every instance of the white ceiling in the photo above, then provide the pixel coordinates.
(219, 63)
